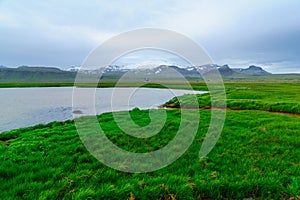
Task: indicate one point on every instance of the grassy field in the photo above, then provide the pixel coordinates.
(274, 97)
(257, 155)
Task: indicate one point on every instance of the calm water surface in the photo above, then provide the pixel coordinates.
(22, 107)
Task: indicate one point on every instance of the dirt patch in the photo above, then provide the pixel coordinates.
(171, 105)
(5, 143)
(4, 140)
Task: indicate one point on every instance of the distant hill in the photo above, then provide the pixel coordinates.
(252, 71)
(35, 74)
(39, 69)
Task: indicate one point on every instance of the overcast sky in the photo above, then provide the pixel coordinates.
(239, 33)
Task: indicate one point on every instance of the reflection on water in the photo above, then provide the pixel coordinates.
(21, 107)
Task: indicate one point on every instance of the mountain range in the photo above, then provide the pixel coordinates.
(52, 74)
(192, 71)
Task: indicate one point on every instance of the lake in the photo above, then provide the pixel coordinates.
(22, 107)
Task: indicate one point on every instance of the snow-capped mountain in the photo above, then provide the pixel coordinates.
(163, 67)
(151, 64)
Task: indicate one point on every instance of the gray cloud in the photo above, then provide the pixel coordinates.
(62, 33)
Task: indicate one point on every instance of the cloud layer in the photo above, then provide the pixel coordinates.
(62, 33)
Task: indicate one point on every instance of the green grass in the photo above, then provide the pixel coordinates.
(274, 97)
(257, 156)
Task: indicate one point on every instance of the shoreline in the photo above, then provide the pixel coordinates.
(40, 125)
